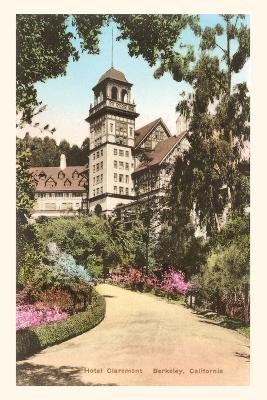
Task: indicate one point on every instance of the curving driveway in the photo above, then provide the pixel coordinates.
(143, 340)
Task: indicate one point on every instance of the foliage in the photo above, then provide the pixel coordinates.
(174, 283)
(24, 188)
(170, 282)
(30, 341)
(65, 264)
(225, 278)
(46, 153)
(91, 240)
(213, 175)
(32, 315)
(43, 50)
(30, 250)
(154, 36)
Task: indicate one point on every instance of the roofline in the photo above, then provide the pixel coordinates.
(113, 80)
(153, 126)
(180, 138)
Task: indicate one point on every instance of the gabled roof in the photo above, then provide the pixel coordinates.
(77, 185)
(141, 133)
(161, 150)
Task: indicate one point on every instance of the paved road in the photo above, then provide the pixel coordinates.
(143, 340)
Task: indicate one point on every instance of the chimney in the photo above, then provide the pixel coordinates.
(63, 163)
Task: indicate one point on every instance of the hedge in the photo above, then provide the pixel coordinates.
(31, 340)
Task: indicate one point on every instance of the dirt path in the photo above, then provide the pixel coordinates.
(143, 341)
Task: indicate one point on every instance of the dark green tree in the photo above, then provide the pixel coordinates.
(24, 187)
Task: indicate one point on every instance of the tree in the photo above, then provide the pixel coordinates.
(211, 173)
(44, 46)
(225, 277)
(24, 187)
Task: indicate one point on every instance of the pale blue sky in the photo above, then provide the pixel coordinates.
(68, 97)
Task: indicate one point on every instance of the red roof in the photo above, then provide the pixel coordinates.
(156, 156)
(141, 133)
(54, 179)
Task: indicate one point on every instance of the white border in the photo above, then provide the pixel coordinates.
(256, 389)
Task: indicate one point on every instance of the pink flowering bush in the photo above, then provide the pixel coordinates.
(29, 315)
(174, 283)
(171, 282)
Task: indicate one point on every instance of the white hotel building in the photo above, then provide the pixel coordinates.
(116, 174)
(124, 164)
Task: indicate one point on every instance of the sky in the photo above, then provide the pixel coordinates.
(68, 97)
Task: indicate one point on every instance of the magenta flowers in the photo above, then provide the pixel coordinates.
(174, 283)
(29, 315)
(171, 282)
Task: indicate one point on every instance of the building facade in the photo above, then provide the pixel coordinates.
(122, 159)
(125, 165)
(59, 191)
(112, 124)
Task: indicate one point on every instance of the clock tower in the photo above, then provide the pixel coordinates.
(112, 126)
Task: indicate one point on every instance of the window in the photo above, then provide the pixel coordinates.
(115, 164)
(94, 156)
(97, 179)
(131, 131)
(126, 153)
(93, 180)
(121, 178)
(97, 166)
(115, 177)
(114, 93)
(93, 168)
(115, 152)
(124, 96)
(50, 206)
(120, 165)
(121, 153)
(101, 165)
(101, 152)
(101, 178)
(115, 189)
(111, 127)
(94, 193)
(127, 166)
(101, 190)
(97, 191)
(97, 154)
(120, 190)
(127, 178)
(127, 191)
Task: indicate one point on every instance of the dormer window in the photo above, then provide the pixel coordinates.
(75, 174)
(50, 182)
(42, 175)
(61, 175)
(67, 183)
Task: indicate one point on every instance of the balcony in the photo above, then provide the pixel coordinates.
(117, 105)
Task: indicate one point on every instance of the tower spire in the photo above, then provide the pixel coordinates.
(112, 48)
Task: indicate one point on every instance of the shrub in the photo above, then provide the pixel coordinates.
(30, 341)
(28, 315)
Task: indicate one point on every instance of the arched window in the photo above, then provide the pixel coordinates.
(124, 96)
(114, 93)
